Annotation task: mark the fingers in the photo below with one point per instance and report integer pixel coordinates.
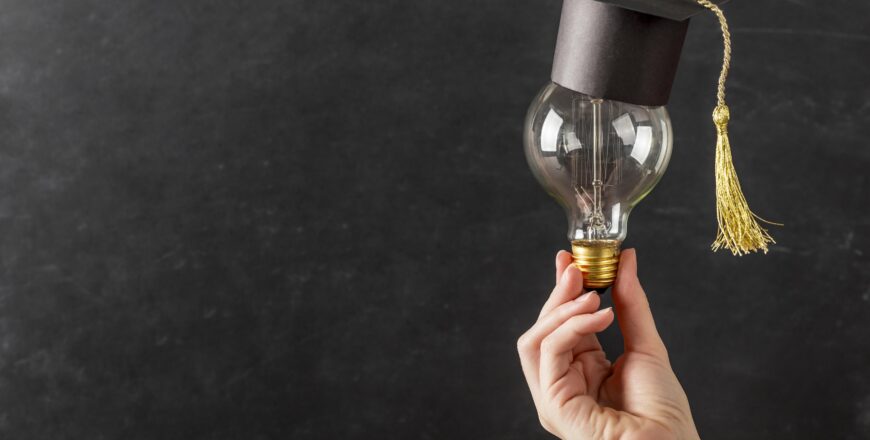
(529, 344)
(563, 304)
(557, 349)
(569, 286)
(531, 340)
(563, 259)
(635, 318)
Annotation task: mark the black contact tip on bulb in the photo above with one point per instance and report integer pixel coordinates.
(601, 290)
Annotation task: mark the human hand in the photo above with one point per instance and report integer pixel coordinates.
(576, 390)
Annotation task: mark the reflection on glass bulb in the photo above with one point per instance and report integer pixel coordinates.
(598, 158)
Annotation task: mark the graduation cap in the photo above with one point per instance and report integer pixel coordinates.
(625, 50)
(628, 51)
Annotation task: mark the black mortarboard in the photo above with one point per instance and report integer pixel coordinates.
(625, 50)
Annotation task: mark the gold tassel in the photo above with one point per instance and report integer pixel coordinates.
(739, 230)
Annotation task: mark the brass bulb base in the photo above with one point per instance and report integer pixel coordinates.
(597, 260)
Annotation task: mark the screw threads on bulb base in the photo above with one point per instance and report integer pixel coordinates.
(597, 260)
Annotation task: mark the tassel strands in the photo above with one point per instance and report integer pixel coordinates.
(739, 230)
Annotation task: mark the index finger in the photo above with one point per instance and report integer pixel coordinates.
(570, 286)
(563, 259)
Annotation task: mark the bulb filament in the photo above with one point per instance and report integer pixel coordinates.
(597, 226)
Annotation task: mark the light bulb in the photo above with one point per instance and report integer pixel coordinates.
(598, 158)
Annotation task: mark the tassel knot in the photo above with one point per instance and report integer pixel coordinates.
(721, 116)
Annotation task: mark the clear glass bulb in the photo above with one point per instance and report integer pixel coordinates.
(598, 158)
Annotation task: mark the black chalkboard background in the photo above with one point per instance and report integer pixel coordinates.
(313, 219)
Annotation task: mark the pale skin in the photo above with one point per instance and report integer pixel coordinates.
(578, 393)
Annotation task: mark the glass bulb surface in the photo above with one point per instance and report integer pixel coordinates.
(598, 158)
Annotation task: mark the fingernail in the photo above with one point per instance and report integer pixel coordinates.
(567, 270)
(604, 311)
(584, 296)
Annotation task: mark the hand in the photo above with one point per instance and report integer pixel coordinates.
(577, 392)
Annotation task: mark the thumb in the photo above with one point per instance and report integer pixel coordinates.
(632, 310)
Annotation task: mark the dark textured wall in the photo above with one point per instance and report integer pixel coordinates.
(313, 219)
